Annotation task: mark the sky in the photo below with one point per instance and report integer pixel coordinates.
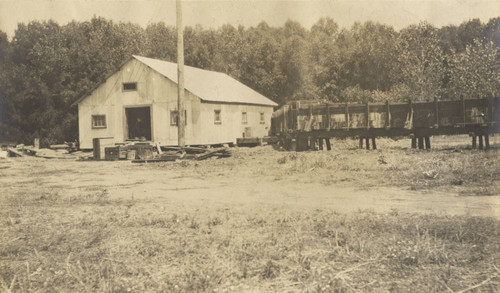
(214, 13)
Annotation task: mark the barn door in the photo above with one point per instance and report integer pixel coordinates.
(138, 122)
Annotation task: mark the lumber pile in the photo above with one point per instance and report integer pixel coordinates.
(57, 151)
(22, 151)
(137, 152)
(218, 153)
(186, 153)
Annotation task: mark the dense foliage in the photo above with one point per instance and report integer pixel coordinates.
(46, 66)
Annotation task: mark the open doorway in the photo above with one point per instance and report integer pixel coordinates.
(138, 123)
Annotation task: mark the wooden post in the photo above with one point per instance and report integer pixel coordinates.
(367, 143)
(320, 143)
(463, 112)
(360, 142)
(96, 144)
(296, 116)
(310, 119)
(490, 109)
(367, 115)
(427, 142)
(328, 144)
(36, 143)
(180, 76)
(285, 116)
(293, 144)
(374, 143)
(487, 141)
(473, 141)
(410, 103)
(312, 143)
(347, 122)
(413, 142)
(327, 116)
(420, 143)
(480, 142)
(388, 111)
(436, 111)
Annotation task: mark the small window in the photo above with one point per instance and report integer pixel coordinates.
(174, 117)
(244, 118)
(262, 118)
(98, 121)
(129, 86)
(217, 119)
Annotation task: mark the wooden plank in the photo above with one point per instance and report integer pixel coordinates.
(15, 152)
(158, 148)
(58, 146)
(308, 125)
(212, 153)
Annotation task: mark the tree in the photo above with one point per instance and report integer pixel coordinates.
(161, 42)
(260, 62)
(420, 62)
(324, 58)
(295, 64)
(475, 73)
(5, 56)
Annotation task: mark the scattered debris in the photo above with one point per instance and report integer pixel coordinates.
(4, 154)
(137, 152)
(430, 174)
(57, 153)
(187, 153)
(69, 146)
(382, 160)
(220, 153)
(15, 152)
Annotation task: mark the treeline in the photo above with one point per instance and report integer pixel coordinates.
(46, 66)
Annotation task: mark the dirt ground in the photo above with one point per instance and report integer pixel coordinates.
(263, 176)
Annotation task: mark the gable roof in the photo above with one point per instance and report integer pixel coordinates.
(208, 85)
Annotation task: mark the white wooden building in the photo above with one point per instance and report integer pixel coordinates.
(139, 101)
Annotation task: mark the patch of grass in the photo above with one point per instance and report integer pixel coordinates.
(140, 247)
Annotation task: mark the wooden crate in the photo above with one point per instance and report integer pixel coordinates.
(112, 153)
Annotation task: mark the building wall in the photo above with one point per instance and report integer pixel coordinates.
(160, 94)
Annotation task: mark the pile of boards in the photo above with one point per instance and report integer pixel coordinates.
(62, 151)
(145, 152)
